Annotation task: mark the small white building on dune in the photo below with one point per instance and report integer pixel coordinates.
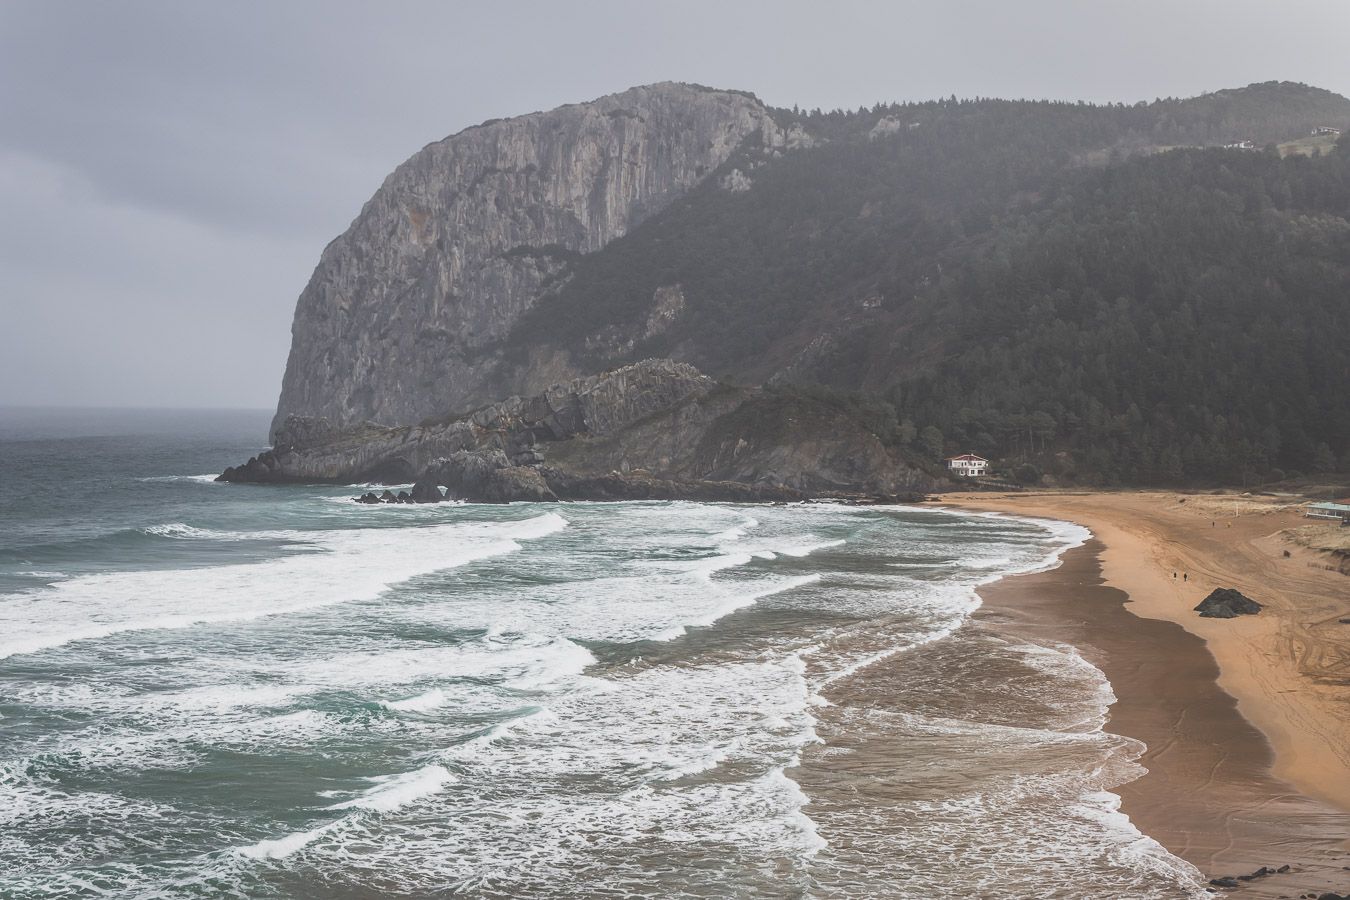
(967, 465)
(1338, 510)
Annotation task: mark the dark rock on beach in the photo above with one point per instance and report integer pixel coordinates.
(1233, 881)
(1227, 603)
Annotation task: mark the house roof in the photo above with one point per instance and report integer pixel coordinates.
(966, 457)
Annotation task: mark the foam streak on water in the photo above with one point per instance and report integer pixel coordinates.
(279, 693)
(348, 565)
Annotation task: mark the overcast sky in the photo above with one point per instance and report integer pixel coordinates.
(170, 171)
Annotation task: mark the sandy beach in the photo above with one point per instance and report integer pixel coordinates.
(1247, 721)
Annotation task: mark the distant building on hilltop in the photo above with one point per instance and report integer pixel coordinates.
(1240, 145)
(967, 465)
(1339, 510)
(1326, 129)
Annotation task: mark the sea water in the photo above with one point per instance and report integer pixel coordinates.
(213, 690)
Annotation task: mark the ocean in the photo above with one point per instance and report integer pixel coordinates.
(213, 690)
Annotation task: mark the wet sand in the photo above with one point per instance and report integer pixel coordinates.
(1245, 720)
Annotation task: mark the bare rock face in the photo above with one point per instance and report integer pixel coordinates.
(657, 429)
(399, 319)
(310, 450)
(423, 491)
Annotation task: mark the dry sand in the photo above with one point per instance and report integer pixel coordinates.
(1247, 720)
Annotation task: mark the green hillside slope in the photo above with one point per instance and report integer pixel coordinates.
(1033, 281)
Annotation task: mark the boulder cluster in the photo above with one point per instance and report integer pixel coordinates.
(424, 491)
(1232, 881)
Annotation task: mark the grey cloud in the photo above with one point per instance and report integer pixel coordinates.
(172, 169)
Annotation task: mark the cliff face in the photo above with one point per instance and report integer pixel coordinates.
(933, 269)
(400, 317)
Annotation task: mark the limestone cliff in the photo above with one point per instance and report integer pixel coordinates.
(399, 319)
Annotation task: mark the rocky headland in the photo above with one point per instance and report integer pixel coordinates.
(656, 429)
(893, 280)
(405, 314)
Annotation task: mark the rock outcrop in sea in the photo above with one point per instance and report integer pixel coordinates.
(656, 429)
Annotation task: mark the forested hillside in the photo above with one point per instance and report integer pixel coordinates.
(1181, 317)
(1091, 292)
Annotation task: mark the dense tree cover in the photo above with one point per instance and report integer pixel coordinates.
(1180, 318)
(1028, 280)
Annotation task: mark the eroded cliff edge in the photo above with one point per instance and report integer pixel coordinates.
(651, 430)
(400, 318)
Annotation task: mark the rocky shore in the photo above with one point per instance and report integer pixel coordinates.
(653, 430)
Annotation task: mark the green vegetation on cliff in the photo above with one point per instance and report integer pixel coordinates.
(1032, 281)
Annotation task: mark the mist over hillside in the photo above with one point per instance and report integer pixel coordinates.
(1093, 293)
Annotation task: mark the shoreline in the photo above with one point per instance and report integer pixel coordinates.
(1248, 752)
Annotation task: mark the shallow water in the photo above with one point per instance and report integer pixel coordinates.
(226, 690)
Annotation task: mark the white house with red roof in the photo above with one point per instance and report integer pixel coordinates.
(967, 465)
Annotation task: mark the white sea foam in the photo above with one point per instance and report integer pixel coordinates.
(953, 602)
(394, 791)
(737, 600)
(1086, 683)
(796, 802)
(424, 702)
(807, 549)
(355, 564)
(994, 562)
(282, 847)
(872, 659)
(738, 531)
(653, 731)
(181, 530)
(612, 772)
(209, 699)
(526, 661)
(1136, 851)
(389, 793)
(484, 740)
(208, 478)
(639, 598)
(1064, 535)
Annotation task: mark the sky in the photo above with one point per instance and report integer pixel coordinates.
(170, 171)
